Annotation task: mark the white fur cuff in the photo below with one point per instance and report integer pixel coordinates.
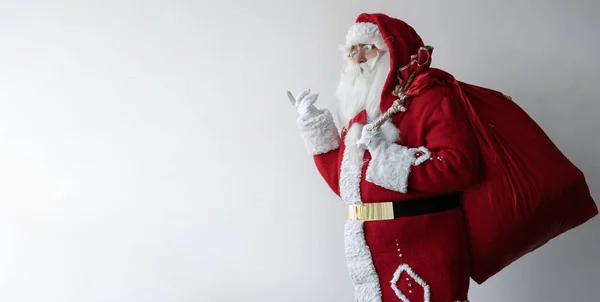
(390, 166)
(319, 132)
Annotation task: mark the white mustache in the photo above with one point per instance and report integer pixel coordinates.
(361, 70)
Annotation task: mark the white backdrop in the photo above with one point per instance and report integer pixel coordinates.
(148, 151)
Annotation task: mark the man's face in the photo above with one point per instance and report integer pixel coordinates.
(361, 83)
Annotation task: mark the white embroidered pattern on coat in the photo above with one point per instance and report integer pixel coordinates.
(406, 268)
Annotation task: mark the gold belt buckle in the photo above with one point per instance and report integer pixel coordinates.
(371, 211)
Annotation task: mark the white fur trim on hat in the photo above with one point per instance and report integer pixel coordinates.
(363, 33)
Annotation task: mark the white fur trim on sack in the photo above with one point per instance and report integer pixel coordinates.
(319, 132)
(360, 263)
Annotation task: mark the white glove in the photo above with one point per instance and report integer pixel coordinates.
(372, 140)
(304, 103)
(369, 138)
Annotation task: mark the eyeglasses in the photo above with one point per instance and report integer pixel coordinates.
(367, 48)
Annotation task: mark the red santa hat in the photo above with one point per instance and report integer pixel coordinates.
(407, 52)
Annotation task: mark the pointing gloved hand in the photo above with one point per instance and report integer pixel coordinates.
(304, 103)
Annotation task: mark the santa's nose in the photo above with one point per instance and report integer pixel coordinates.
(359, 58)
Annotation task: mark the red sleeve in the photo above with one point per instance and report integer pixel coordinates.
(327, 165)
(454, 162)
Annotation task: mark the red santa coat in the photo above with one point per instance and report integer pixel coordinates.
(419, 258)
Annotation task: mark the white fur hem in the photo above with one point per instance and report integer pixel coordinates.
(360, 264)
(351, 167)
(390, 166)
(358, 255)
(319, 132)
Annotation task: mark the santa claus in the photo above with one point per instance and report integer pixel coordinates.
(403, 154)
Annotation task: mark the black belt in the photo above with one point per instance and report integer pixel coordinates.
(417, 207)
(397, 209)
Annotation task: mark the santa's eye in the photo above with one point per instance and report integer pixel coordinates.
(367, 47)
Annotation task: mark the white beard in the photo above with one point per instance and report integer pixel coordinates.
(357, 91)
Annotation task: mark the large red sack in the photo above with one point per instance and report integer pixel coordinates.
(529, 192)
